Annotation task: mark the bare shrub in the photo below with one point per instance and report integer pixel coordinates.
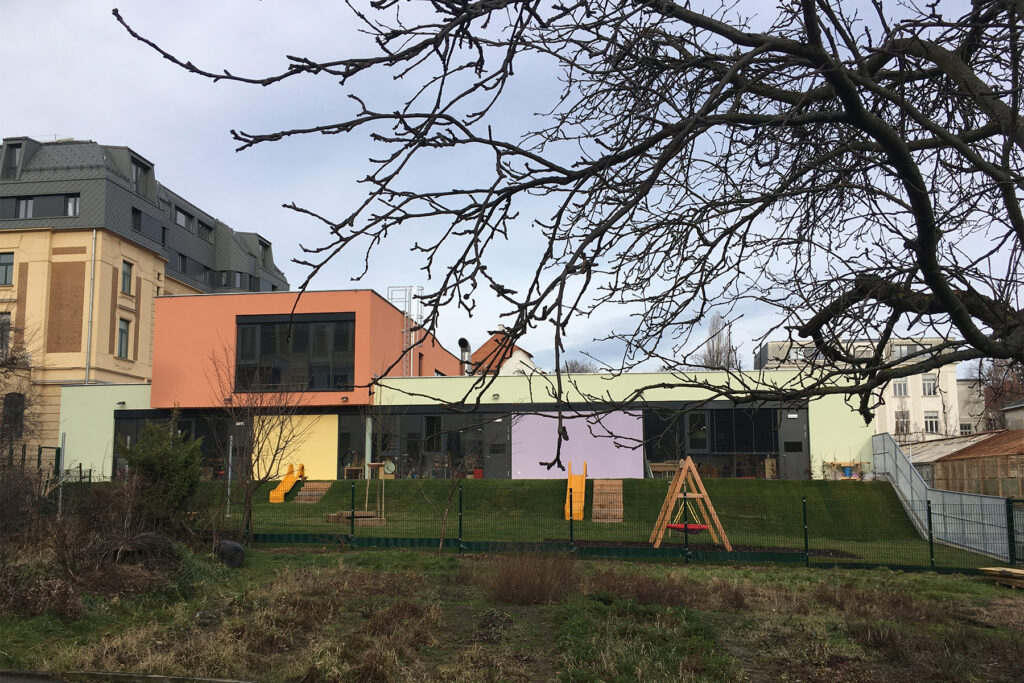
(645, 590)
(879, 604)
(532, 579)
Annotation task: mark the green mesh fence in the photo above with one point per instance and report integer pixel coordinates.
(851, 524)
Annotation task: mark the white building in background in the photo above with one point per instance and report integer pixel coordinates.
(915, 408)
(497, 356)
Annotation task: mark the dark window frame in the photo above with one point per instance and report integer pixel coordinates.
(302, 352)
(6, 269)
(126, 277)
(124, 327)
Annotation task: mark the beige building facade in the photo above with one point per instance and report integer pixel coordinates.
(915, 408)
(81, 302)
(88, 240)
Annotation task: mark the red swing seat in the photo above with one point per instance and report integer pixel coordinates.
(688, 528)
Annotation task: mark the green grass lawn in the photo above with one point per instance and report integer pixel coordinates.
(848, 522)
(387, 615)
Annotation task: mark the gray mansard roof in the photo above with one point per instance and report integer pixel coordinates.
(101, 176)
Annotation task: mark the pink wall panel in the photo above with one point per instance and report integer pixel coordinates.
(610, 444)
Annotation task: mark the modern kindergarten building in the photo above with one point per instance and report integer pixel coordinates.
(421, 419)
(88, 240)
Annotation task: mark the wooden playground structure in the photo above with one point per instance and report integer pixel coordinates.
(695, 515)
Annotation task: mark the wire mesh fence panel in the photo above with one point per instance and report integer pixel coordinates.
(514, 511)
(857, 524)
(1016, 517)
(848, 532)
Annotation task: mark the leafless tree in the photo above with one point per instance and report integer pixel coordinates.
(262, 428)
(857, 175)
(718, 352)
(19, 415)
(999, 383)
(581, 365)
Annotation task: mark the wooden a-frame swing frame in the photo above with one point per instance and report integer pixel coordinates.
(686, 486)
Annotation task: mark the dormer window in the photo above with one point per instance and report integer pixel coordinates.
(264, 254)
(11, 161)
(206, 232)
(140, 173)
(184, 220)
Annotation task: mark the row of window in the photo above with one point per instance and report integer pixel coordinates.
(929, 385)
(931, 422)
(185, 220)
(39, 206)
(305, 352)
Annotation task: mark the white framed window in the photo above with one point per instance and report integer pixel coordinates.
(902, 425)
(966, 428)
(899, 387)
(904, 350)
(930, 384)
(931, 421)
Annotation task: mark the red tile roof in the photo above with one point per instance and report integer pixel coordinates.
(491, 355)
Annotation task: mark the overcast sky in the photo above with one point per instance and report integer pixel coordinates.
(71, 71)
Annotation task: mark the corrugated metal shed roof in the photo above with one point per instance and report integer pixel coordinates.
(930, 451)
(1009, 442)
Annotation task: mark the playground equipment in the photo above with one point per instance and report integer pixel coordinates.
(687, 487)
(576, 492)
(366, 516)
(277, 495)
(607, 505)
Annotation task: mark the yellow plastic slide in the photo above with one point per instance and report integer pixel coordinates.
(277, 495)
(578, 488)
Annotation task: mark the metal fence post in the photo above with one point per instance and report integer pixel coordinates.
(1011, 532)
(39, 458)
(931, 537)
(57, 464)
(686, 532)
(352, 518)
(460, 518)
(571, 541)
(807, 544)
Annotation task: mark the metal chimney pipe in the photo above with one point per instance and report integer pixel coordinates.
(464, 355)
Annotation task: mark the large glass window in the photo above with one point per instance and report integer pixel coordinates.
(313, 352)
(899, 387)
(931, 421)
(902, 425)
(930, 384)
(696, 432)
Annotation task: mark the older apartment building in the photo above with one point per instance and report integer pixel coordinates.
(915, 408)
(88, 240)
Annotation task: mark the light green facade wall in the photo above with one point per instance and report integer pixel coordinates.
(837, 433)
(87, 422)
